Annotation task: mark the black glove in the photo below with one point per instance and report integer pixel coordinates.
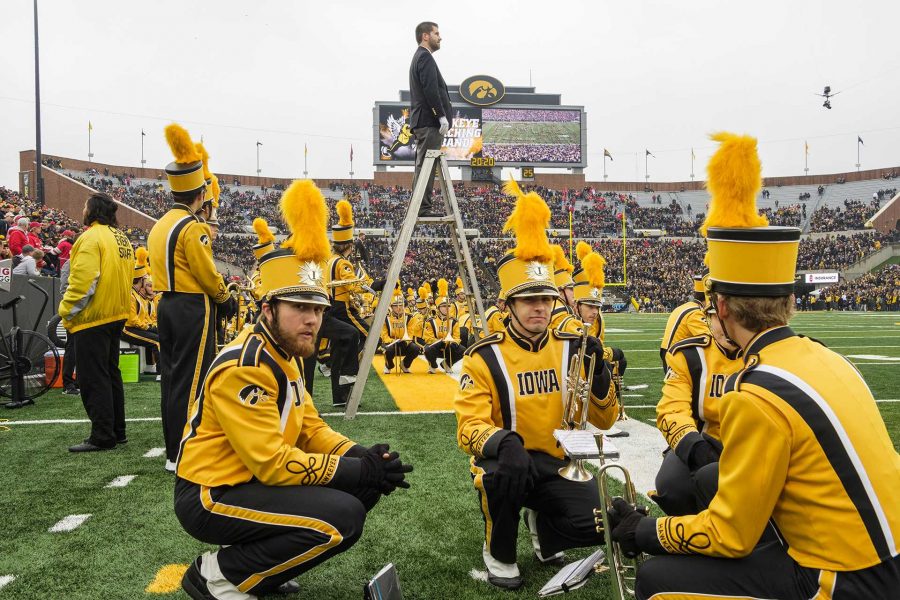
(624, 520)
(516, 473)
(702, 453)
(356, 451)
(602, 375)
(383, 474)
(619, 358)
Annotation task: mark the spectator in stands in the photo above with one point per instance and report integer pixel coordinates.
(18, 236)
(27, 265)
(7, 222)
(4, 249)
(94, 309)
(64, 247)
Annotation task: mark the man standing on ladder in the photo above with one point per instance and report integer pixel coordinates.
(430, 113)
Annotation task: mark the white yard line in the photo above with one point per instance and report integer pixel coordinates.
(120, 481)
(5, 580)
(154, 452)
(69, 523)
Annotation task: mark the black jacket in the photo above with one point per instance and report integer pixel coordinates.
(428, 92)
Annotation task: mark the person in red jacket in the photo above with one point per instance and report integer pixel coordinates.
(18, 236)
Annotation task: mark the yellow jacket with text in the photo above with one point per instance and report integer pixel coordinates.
(181, 257)
(692, 390)
(254, 419)
(804, 445)
(99, 280)
(528, 400)
(394, 328)
(416, 326)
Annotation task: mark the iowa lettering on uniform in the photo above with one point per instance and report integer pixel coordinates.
(717, 386)
(538, 382)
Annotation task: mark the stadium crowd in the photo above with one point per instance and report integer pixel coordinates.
(878, 291)
(853, 215)
(507, 115)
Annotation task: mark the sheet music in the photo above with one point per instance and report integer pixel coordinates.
(577, 443)
(572, 576)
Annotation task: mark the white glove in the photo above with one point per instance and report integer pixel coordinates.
(445, 126)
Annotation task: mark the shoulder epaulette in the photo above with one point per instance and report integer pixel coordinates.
(494, 338)
(565, 335)
(251, 351)
(699, 340)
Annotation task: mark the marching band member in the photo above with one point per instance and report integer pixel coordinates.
(470, 330)
(509, 402)
(804, 442)
(396, 337)
(139, 329)
(441, 333)
(496, 315)
(562, 277)
(181, 259)
(686, 321)
(343, 325)
(260, 474)
(416, 323)
(459, 307)
(688, 417)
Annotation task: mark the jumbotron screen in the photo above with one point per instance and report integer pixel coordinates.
(512, 136)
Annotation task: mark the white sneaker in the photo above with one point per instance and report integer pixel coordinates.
(347, 379)
(405, 369)
(170, 466)
(531, 524)
(219, 587)
(502, 575)
(430, 370)
(386, 371)
(325, 371)
(159, 377)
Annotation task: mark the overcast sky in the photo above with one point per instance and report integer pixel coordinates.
(659, 75)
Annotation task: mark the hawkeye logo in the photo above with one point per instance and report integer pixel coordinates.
(252, 395)
(482, 90)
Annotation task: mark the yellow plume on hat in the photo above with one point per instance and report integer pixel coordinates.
(427, 287)
(529, 221)
(304, 211)
(216, 190)
(261, 227)
(593, 265)
(345, 213)
(734, 178)
(559, 259)
(476, 146)
(409, 291)
(459, 284)
(141, 256)
(582, 249)
(180, 143)
(204, 158)
(423, 292)
(442, 286)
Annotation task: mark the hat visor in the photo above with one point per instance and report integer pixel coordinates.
(591, 302)
(534, 292)
(303, 298)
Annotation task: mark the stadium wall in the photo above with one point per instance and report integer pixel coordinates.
(404, 178)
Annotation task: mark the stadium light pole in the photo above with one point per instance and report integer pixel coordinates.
(39, 176)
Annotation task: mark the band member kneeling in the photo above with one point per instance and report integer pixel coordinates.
(510, 400)
(396, 337)
(259, 473)
(441, 334)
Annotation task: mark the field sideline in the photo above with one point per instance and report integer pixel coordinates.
(432, 532)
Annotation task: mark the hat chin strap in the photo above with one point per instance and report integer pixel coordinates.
(728, 338)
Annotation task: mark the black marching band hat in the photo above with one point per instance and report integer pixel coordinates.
(589, 278)
(745, 255)
(527, 270)
(185, 173)
(295, 272)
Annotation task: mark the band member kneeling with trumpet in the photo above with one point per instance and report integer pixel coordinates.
(510, 401)
(396, 337)
(259, 473)
(441, 334)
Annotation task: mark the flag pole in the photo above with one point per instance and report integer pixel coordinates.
(858, 143)
(692, 164)
(38, 160)
(90, 154)
(305, 151)
(143, 162)
(806, 158)
(604, 166)
(571, 233)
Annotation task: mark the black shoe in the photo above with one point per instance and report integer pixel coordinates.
(506, 583)
(19, 404)
(88, 447)
(72, 391)
(122, 441)
(195, 584)
(288, 587)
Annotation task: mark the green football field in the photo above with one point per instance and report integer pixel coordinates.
(519, 132)
(432, 532)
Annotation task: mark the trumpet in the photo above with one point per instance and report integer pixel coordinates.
(618, 380)
(575, 408)
(622, 570)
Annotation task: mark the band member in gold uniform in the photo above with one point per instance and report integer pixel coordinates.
(510, 400)
(686, 321)
(260, 474)
(396, 337)
(182, 262)
(804, 443)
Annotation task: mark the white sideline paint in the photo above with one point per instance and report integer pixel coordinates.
(121, 481)
(5, 580)
(873, 357)
(69, 523)
(154, 452)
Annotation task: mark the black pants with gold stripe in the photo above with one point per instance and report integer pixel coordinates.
(272, 533)
(768, 572)
(565, 509)
(187, 346)
(451, 352)
(146, 338)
